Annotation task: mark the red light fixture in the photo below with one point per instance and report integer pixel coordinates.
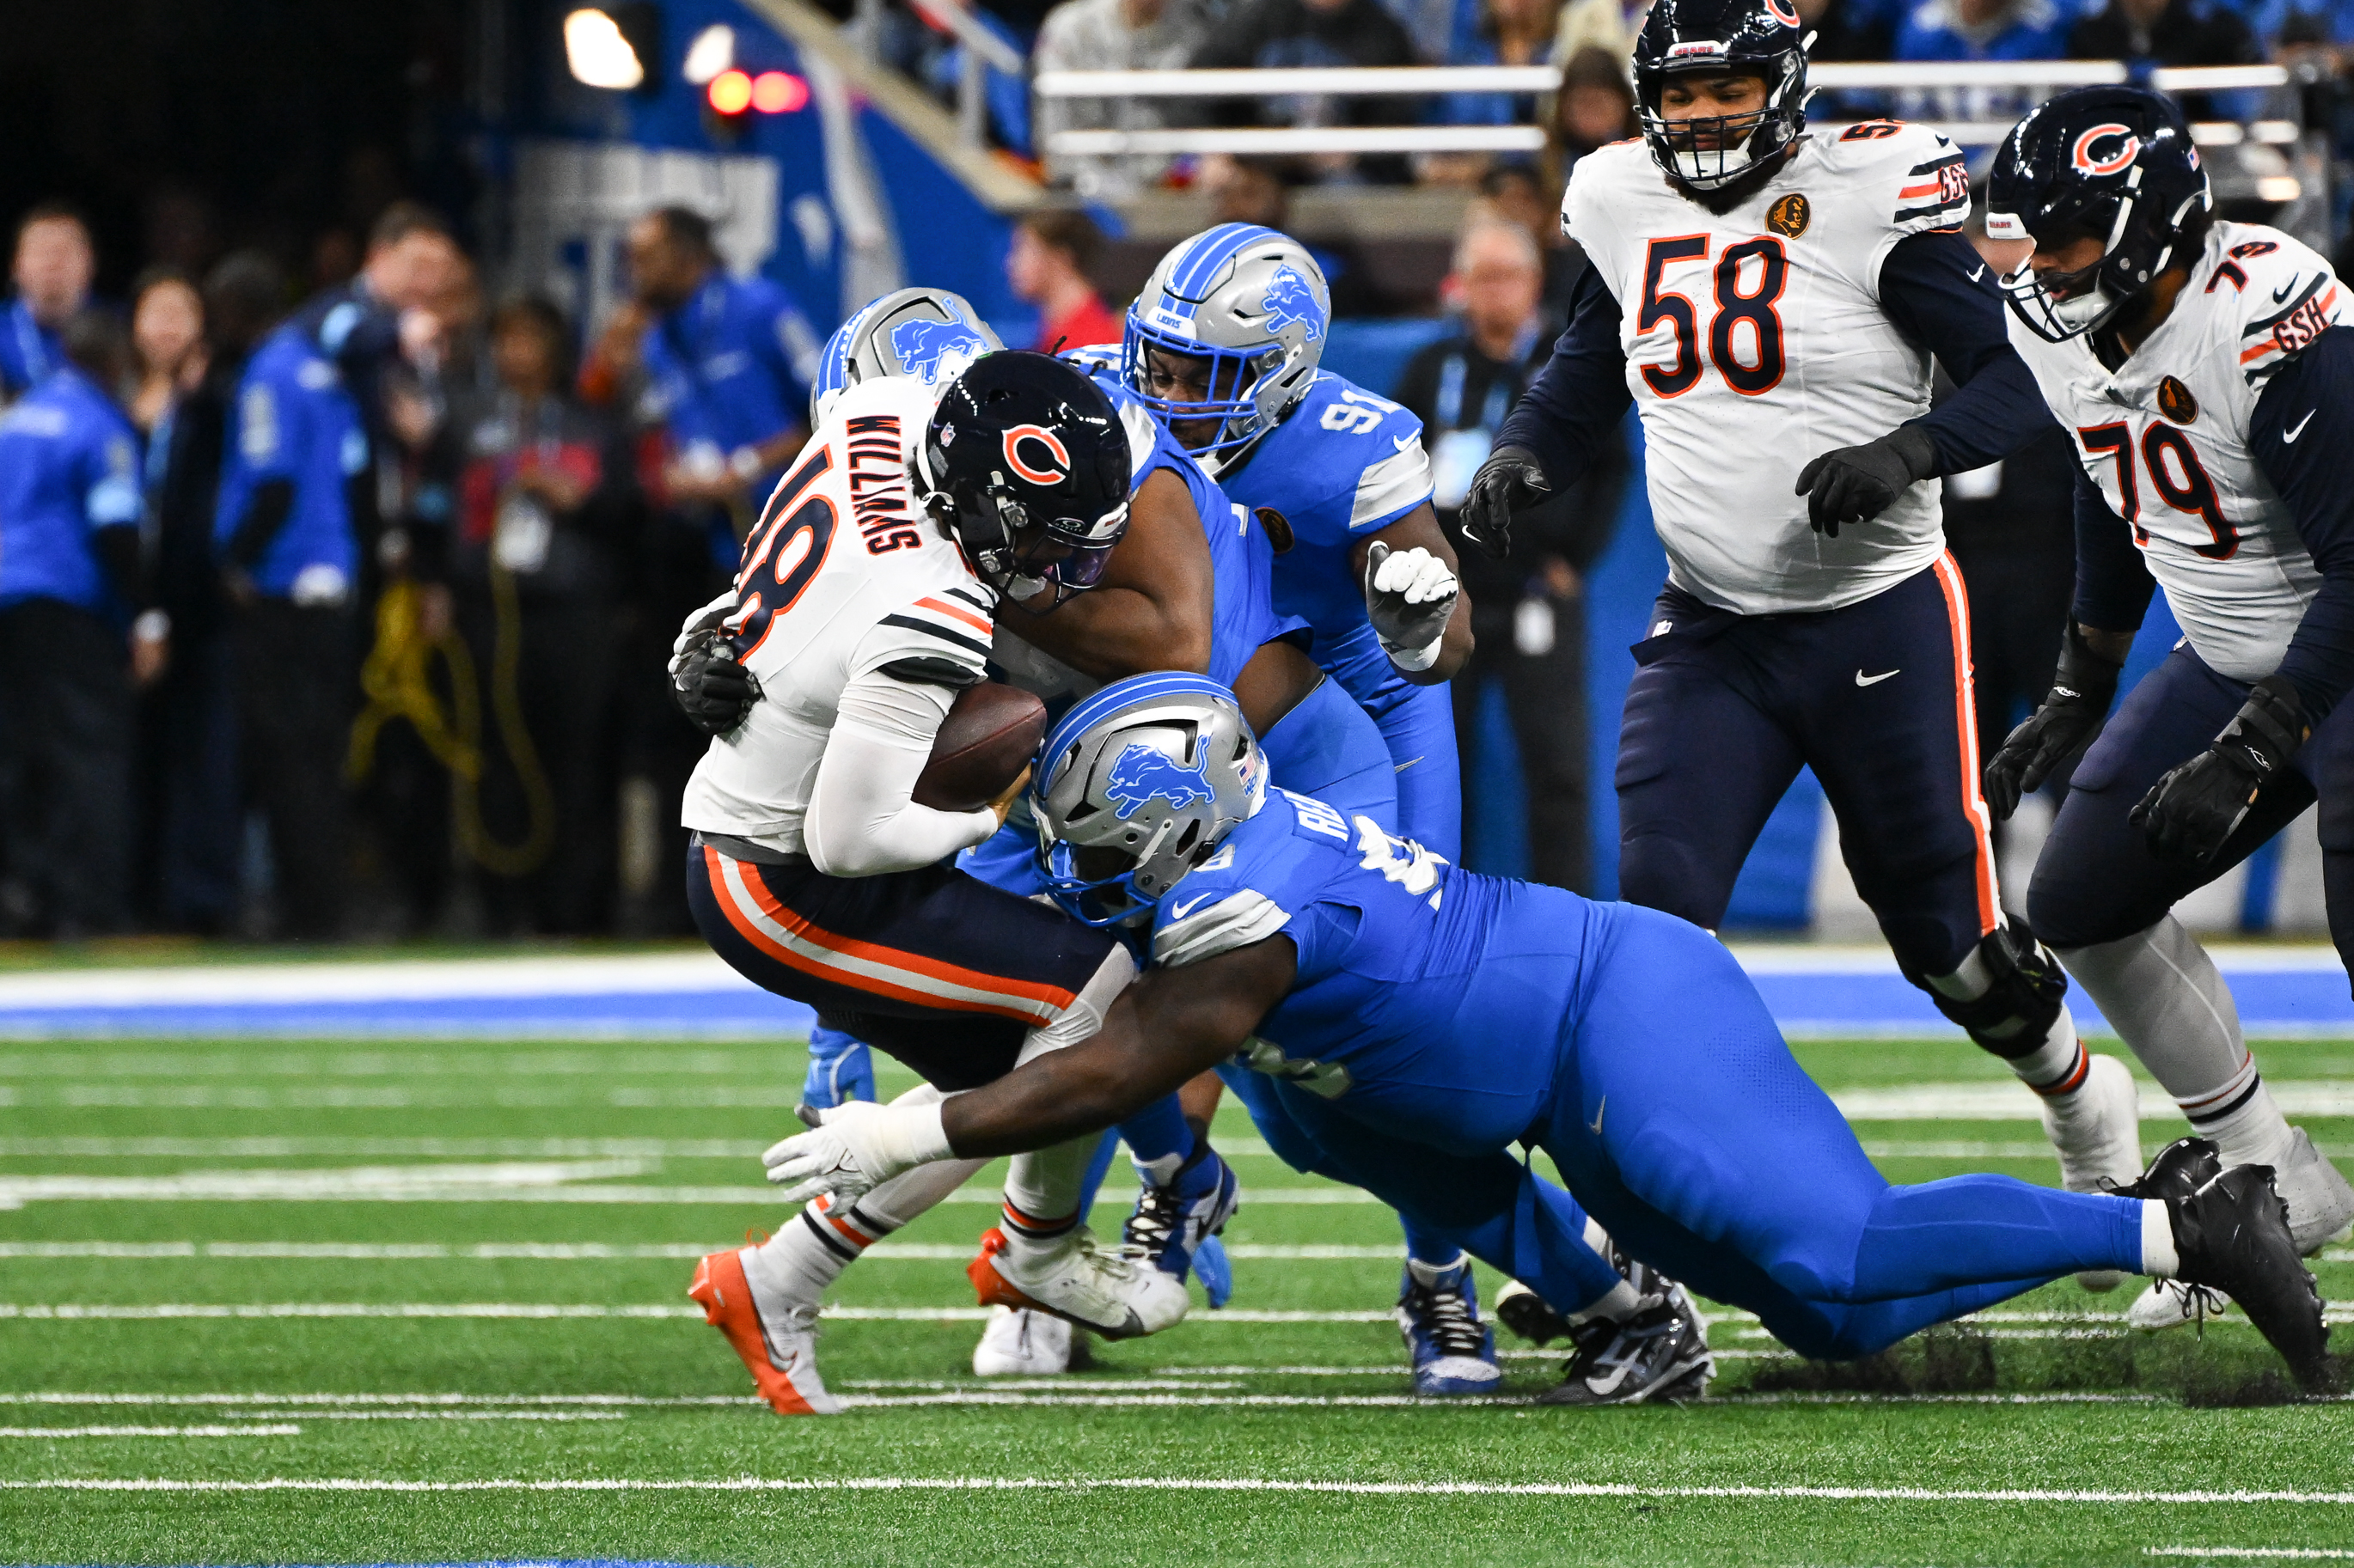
(775, 93)
(730, 92)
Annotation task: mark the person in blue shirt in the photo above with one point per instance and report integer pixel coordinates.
(289, 553)
(52, 267)
(1979, 30)
(1426, 1018)
(70, 506)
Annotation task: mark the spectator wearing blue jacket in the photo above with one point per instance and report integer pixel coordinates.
(289, 560)
(51, 269)
(2173, 33)
(70, 506)
(1979, 30)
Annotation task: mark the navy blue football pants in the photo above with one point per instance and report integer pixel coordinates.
(1723, 711)
(1681, 1121)
(2096, 881)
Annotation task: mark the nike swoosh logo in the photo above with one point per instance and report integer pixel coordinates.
(1863, 680)
(1404, 442)
(2281, 294)
(2298, 428)
(1979, 273)
(1179, 911)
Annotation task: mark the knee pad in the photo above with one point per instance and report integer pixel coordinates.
(2013, 1016)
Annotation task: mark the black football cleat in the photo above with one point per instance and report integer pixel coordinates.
(2180, 1169)
(2232, 1235)
(1659, 1355)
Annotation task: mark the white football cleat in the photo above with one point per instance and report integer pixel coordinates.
(780, 1352)
(2320, 1203)
(2097, 1132)
(1020, 1342)
(2169, 1304)
(1068, 1276)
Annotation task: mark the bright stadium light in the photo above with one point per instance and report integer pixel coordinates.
(730, 92)
(712, 51)
(775, 93)
(598, 53)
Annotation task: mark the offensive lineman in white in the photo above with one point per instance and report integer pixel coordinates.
(866, 602)
(1760, 293)
(2206, 370)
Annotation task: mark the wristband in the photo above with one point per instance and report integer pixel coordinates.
(1414, 661)
(909, 1136)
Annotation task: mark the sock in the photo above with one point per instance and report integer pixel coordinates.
(1620, 1302)
(1097, 1169)
(1423, 1246)
(2242, 1117)
(1428, 1275)
(795, 1267)
(1042, 1190)
(1596, 1236)
(1159, 1140)
(2164, 996)
(2052, 1065)
(2158, 1259)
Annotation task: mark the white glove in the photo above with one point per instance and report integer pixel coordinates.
(710, 617)
(1409, 596)
(855, 1148)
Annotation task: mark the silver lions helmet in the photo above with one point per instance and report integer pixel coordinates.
(1254, 304)
(926, 335)
(1137, 786)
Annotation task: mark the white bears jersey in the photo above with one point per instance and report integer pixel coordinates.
(1756, 341)
(2165, 439)
(844, 575)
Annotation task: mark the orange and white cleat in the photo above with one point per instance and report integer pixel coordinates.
(782, 1358)
(1068, 1277)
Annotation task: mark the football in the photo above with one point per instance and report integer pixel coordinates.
(989, 736)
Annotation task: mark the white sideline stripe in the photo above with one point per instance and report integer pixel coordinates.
(1185, 1484)
(2238, 1552)
(2016, 1102)
(542, 1183)
(173, 1311)
(618, 974)
(406, 1251)
(272, 1429)
(305, 1403)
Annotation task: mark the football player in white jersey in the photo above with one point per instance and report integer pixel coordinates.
(1762, 294)
(866, 602)
(2206, 370)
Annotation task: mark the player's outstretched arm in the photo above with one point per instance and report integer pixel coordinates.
(1428, 615)
(1162, 1031)
(1166, 1029)
(1152, 608)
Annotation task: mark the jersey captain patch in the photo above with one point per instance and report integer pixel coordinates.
(2175, 401)
(1789, 216)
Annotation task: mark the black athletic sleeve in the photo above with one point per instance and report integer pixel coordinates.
(1576, 403)
(119, 552)
(2113, 583)
(2302, 438)
(1941, 295)
(265, 514)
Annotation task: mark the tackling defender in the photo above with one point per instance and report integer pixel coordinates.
(1759, 293)
(2206, 370)
(1424, 1018)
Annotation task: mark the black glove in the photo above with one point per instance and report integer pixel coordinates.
(1856, 484)
(1510, 480)
(2082, 690)
(709, 686)
(2189, 813)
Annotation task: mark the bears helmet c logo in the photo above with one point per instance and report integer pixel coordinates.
(2085, 158)
(1057, 453)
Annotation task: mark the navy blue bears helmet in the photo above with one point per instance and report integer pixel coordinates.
(1757, 38)
(2111, 163)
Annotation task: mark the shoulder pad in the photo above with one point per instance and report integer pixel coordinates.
(1926, 176)
(2283, 296)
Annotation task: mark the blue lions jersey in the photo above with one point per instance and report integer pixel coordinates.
(296, 420)
(1342, 465)
(1430, 1002)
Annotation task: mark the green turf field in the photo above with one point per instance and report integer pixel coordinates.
(325, 1302)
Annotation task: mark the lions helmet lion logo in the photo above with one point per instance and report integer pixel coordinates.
(1291, 299)
(2089, 157)
(933, 352)
(1140, 775)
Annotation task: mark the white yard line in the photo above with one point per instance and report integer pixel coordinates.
(2291, 1553)
(270, 1429)
(755, 1484)
(583, 1252)
(544, 1182)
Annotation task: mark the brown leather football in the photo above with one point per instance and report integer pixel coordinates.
(990, 734)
